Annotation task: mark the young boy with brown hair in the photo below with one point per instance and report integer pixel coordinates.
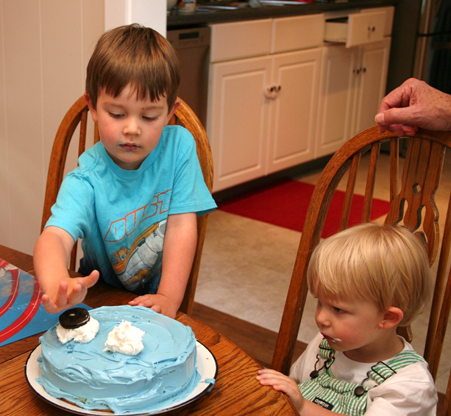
(134, 197)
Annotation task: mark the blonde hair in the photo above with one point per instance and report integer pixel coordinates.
(134, 55)
(386, 264)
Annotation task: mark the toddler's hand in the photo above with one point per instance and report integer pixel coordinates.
(283, 383)
(158, 303)
(70, 292)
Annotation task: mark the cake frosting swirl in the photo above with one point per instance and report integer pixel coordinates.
(126, 339)
(163, 373)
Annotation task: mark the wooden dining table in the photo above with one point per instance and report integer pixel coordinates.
(235, 392)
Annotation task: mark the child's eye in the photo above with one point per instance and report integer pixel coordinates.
(149, 118)
(338, 310)
(115, 115)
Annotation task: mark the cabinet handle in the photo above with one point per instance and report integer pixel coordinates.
(272, 92)
(359, 70)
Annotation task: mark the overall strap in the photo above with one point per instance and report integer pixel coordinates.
(384, 370)
(325, 351)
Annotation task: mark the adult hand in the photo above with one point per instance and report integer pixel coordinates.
(414, 105)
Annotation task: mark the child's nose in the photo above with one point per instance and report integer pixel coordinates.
(131, 127)
(322, 317)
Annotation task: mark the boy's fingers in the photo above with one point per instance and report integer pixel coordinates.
(48, 304)
(92, 279)
(156, 308)
(61, 296)
(142, 301)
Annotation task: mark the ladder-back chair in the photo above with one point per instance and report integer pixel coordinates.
(411, 192)
(78, 116)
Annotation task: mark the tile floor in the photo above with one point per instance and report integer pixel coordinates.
(246, 268)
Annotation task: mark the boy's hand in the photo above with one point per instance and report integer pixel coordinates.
(283, 383)
(70, 292)
(158, 303)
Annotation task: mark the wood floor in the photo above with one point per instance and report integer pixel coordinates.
(258, 342)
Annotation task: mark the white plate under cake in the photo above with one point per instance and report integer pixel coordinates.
(162, 376)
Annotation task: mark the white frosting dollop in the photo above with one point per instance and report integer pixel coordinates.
(126, 339)
(84, 333)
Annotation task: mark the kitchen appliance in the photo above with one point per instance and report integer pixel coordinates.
(433, 50)
(193, 48)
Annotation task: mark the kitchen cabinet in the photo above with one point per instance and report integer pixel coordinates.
(353, 80)
(262, 109)
(294, 109)
(370, 80)
(352, 86)
(237, 120)
(285, 91)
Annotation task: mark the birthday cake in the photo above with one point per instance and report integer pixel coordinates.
(93, 377)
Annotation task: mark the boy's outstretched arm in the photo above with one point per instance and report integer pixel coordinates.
(178, 254)
(287, 385)
(51, 256)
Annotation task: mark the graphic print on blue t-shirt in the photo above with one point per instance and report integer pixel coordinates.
(127, 225)
(140, 264)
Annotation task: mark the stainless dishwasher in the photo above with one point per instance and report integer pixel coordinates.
(193, 48)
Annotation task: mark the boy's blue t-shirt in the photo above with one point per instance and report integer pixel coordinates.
(120, 215)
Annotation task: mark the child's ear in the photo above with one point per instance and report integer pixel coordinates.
(173, 110)
(92, 109)
(392, 317)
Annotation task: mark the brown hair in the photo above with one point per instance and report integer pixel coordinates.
(381, 263)
(134, 55)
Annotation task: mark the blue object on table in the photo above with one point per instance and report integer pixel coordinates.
(21, 310)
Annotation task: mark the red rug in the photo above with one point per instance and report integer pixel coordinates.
(285, 204)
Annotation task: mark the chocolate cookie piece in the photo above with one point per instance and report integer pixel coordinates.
(74, 318)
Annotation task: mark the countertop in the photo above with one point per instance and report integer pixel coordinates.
(181, 20)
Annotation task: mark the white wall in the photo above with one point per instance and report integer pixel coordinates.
(44, 49)
(150, 13)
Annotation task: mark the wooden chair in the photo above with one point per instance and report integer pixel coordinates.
(77, 116)
(411, 194)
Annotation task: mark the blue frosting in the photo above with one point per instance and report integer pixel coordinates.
(160, 375)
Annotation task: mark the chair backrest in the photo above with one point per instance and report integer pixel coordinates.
(411, 192)
(77, 116)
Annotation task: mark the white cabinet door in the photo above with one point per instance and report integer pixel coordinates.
(371, 84)
(294, 108)
(253, 134)
(353, 84)
(336, 98)
(238, 119)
